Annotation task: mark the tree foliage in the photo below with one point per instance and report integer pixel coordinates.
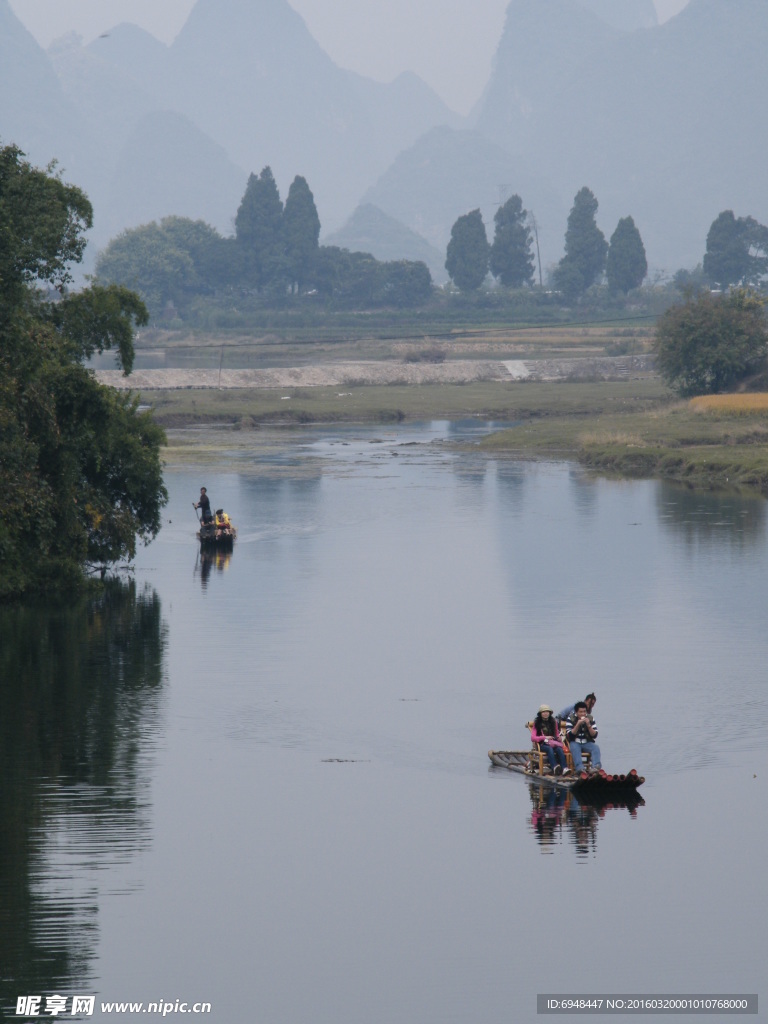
(168, 263)
(585, 248)
(358, 280)
(300, 231)
(711, 342)
(737, 251)
(626, 264)
(80, 474)
(42, 221)
(468, 252)
(258, 230)
(147, 260)
(511, 255)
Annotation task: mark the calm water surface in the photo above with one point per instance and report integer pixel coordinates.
(263, 782)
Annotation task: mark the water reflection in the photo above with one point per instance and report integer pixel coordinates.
(209, 559)
(557, 815)
(81, 689)
(711, 519)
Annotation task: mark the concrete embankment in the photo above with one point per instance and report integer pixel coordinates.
(460, 371)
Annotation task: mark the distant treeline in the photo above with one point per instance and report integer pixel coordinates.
(275, 259)
(274, 254)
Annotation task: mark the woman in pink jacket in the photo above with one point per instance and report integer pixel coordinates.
(545, 733)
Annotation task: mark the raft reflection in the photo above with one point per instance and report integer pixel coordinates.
(209, 559)
(557, 813)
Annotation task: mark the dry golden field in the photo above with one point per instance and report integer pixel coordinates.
(746, 403)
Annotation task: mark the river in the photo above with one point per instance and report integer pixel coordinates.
(261, 782)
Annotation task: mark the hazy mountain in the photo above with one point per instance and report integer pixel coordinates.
(251, 75)
(669, 128)
(625, 15)
(545, 44)
(371, 230)
(34, 112)
(107, 101)
(138, 162)
(168, 166)
(663, 124)
(141, 125)
(448, 173)
(138, 56)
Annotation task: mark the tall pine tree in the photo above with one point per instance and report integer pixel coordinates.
(626, 265)
(258, 231)
(511, 257)
(466, 259)
(585, 248)
(301, 232)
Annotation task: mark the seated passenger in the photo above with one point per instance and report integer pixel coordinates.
(581, 733)
(545, 733)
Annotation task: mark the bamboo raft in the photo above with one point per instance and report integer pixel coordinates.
(217, 533)
(597, 783)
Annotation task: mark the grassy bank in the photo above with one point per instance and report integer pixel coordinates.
(702, 444)
(634, 428)
(490, 400)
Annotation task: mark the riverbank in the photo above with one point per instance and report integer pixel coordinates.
(697, 444)
(610, 413)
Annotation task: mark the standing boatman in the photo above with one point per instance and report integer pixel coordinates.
(204, 505)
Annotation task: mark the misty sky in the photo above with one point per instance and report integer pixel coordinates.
(447, 42)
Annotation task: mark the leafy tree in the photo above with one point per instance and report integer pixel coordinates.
(80, 473)
(99, 318)
(329, 269)
(626, 265)
(756, 237)
(511, 256)
(42, 221)
(359, 280)
(468, 252)
(211, 254)
(301, 231)
(172, 261)
(147, 259)
(585, 248)
(259, 232)
(689, 281)
(726, 260)
(737, 250)
(406, 283)
(711, 342)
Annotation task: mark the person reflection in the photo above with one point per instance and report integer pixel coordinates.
(209, 559)
(547, 813)
(582, 822)
(206, 564)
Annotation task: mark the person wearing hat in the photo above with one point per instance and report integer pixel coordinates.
(545, 733)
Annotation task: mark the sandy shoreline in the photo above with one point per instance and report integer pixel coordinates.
(460, 371)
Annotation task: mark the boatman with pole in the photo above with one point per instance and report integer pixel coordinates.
(204, 505)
